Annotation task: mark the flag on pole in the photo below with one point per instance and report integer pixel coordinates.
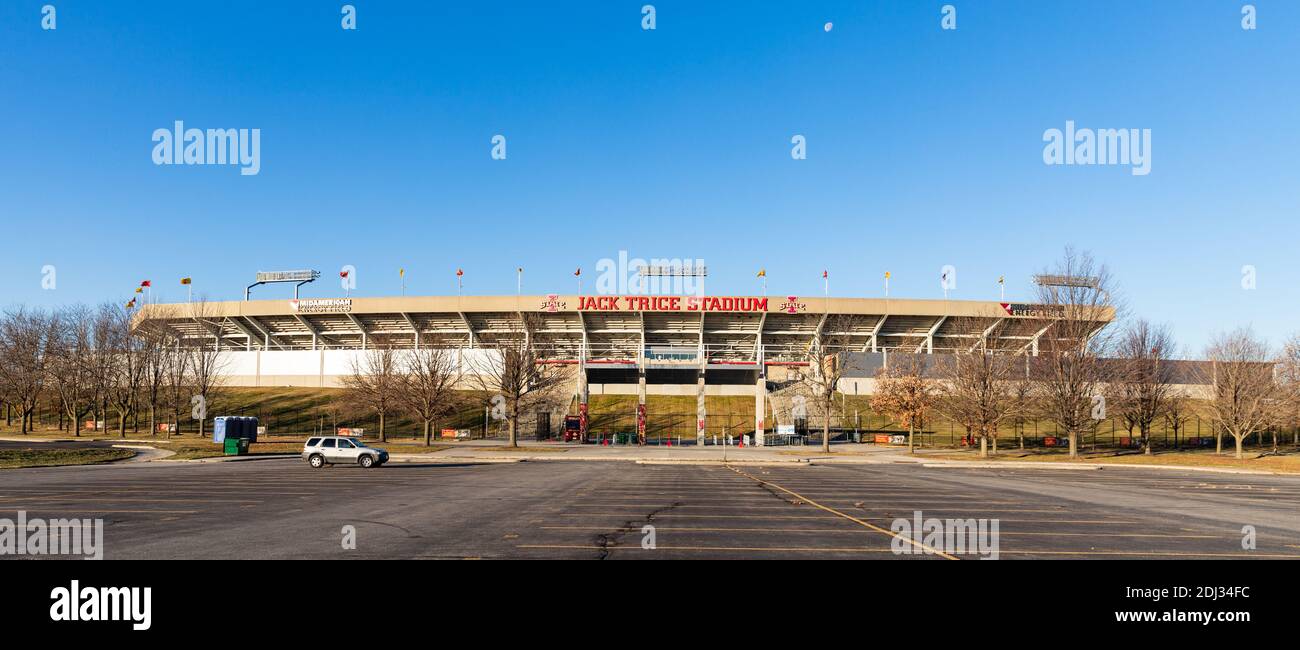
(1001, 279)
(401, 273)
(825, 275)
(146, 283)
(139, 289)
(131, 305)
(343, 274)
(185, 280)
(578, 272)
(762, 273)
(886, 275)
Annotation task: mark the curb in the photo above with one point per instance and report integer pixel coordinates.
(723, 463)
(234, 459)
(450, 460)
(1099, 466)
(144, 453)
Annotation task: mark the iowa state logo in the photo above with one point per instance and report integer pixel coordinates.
(552, 303)
(792, 305)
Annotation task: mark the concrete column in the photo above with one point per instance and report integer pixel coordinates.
(640, 406)
(760, 407)
(700, 413)
(584, 396)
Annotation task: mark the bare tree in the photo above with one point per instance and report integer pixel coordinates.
(206, 363)
(374, 382)
(127, 368)
(1022, 392)
(903, 393)
(1142, 384)
(827, 355)
(73, 351)
(1178, 412)
(176, 383)
(1245, 393)
(978, 388)
(1288, 377)
(1076, 296)
(159, 352)
(426, 385)
(28, 339)
(517, 376)
(101, 362)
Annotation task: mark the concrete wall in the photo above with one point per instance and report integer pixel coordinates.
(312, 368)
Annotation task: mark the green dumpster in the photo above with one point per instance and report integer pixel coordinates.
(236, 446)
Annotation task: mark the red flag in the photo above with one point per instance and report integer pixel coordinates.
(343, 274)
(459, 273)
(824, 274)
(578, 272)
(146, 283)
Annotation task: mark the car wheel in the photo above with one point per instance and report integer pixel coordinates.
(366, 460)
(316, 460)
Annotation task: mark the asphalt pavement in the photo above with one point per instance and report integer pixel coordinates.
(620, 510)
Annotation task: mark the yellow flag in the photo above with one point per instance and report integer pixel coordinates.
(886, 275)
(139, 289)
(762, 273)
(185, 280)
(401, 272)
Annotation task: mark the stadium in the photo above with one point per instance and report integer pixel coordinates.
(702, 346)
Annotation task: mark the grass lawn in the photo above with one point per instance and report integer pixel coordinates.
(13, 458)
(1287, 462)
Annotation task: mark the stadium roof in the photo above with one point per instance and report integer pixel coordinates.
(726, 328)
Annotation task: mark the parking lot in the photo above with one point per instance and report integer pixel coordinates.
(581, 509)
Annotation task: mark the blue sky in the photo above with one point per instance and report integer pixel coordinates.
(924, 147)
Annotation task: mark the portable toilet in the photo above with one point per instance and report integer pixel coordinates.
(219, 429)
(251, 423)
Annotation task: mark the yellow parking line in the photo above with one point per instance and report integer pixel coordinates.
(719, 530)
(860, 522)
(1155, 554)
(1157, 535)
(126, 499)
(150, 512)
(783, 549)
(841, 530)
(667, 515)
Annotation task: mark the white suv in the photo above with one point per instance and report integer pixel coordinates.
(328, 450)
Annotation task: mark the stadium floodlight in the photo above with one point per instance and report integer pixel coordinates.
(298, 277)
(1081, 281)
